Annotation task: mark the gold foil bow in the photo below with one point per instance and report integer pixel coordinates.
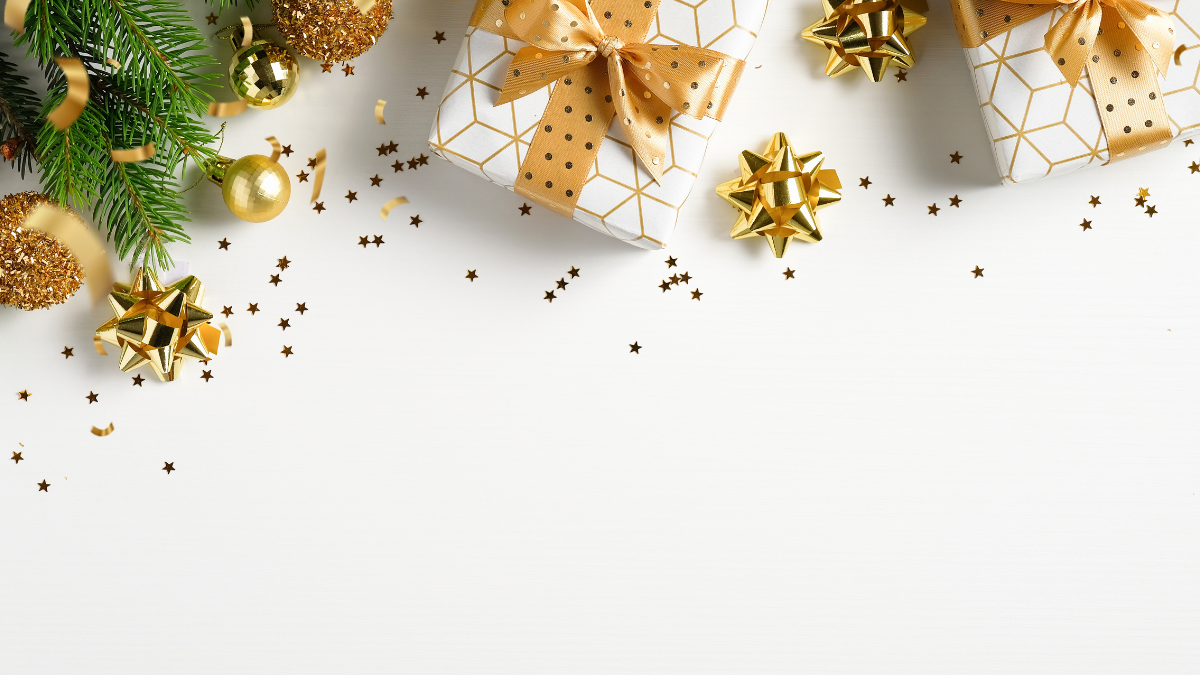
(869, 34)
(1122, 45)
(780, 193)
(596, 52)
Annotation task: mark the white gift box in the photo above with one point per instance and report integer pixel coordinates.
(1040, 125)
(619, 198)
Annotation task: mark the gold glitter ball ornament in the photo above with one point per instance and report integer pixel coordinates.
(255, 188)
(36, 271)
(330, 30)
(264, 75)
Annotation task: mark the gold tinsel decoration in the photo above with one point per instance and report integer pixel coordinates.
(36, 271)
(330, 30)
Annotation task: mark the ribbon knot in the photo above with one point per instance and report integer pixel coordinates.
(609, 45)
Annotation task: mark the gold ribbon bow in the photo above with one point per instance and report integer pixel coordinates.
(595, 51)
(867, 34)
(1121, 44)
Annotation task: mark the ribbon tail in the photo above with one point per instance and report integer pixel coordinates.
(1072, 39)
(645, 118)
(1153, 30)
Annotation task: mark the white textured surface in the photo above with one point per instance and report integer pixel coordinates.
(884, 466)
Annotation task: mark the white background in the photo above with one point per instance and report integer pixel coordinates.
(885, 465)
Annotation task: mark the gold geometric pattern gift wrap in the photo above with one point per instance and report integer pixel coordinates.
(1039, 124)
(619, 196)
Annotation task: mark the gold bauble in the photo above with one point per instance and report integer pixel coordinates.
(264, 75)
(36, 271)
(330, 30)
(255, 187)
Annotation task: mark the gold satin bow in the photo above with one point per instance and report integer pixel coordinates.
(646, 81)
(1072, 40)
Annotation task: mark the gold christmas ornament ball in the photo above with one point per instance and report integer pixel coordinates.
(264, 75)
(330, 30)
(36, 271)
(255, 188)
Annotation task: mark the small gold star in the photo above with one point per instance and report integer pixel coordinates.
(562, 284)
(889, 201)
(138, 380)
(955, 201)
(378, 240)
(1195, 167)
(364, 241)
(574, 272)
(16, 458)
(227, 311)
(207, 375)
(376, 180)
(671, 262)
(789, 274)
(348, 70)
(864, 183)
(392, 147)
(665, 286)
(439, 37)
(382, 149)
(275, 280)
(674, 279)
(169, 466)
(43, 486)
(902, 76)
(283, 263)
(302, 176)
(212, 19)
(696, 294)
(24, 395)
(327, 67)
(285, 324)
(253, 308)
(397, 166)
(319, 207)
(472, 276)
(351, 196)
(1086, 224)
(301, 307)
(1188, 142)
(956, 158)
(549, 297)
(224, 244)
(1143, 192)
(413, 163)
(635, 348)
(287, 151)
(92, 397)
(1150, 210)
(933, 210)
(287, 351)
(312, 162)
(68, 352)
(423, 160)
(1094, 201)
(685, 277)
(1140, 201)
(422, 92)
(415, 221)
(978, 271)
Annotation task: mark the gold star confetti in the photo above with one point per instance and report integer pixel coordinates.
(413, 163)
(1094, 201)
(253, 308)
(864, 183)
(902, 76)
(378, 240)
(1086, 224)
(283, 263)
(1195, 167)
(227, 311)
(301, 307)
(392, 147)
(439, 37)
(207, 375)
(1150, 210)
(169, 466)
(956, 158)
(224, 244)
(326, 67)
(376, 180)
(287, 351)
(889, 201)
(397, 166)
(212, 19)
(24, 395)
(574, 272)
(665, 286)
(275, 280)
(685, 277)
(43, 486)
(674, 279)
(351, 196)
(1188, 142)
(789, 273)
(562, 284)
(1143, 192)
(472, 276)
(696, 294)
(635, 348)
(933, 210)
(382, 149)
(978, 271)
(415, 221)
(955, 201)
(549, 297)
(138, 380)
(285, 324)
(422, 92)
(422, 160)
(348, 70)
(671, 262)
(364, 241)
(1140, 201)
(68, 352)
(319, 207)
(287, 151)
(92, 397)
(302, 176)
(16, 458)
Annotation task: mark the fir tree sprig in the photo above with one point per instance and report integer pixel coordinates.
(19, 123)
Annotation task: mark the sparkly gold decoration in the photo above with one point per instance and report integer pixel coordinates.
(779, 195)
(868, 34)
(254, 188)
(97, 431)
(36, 270)
(262, 73)
(160, 326)
(330, 30)
(78, 87)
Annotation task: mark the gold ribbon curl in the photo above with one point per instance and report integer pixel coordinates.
(594, 51)
(1123, 45)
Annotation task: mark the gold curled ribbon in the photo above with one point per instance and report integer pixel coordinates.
(601, 71)
(364, 6)
(318, 175)
(138, 154)
(1121, 44)
(276, 148)
(99, 344)
(228, 334)
(247, 31)
(379, 111)
(14, 14)
(97, 431)
(229, 109)
(78, 88)
(391, 204)
(84, 244)
(114, 63)
(1179, 53)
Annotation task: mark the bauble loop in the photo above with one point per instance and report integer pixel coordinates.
(330, 30)
(36, 270)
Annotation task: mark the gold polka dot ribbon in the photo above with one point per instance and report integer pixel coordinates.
(1123, 45)
(594, 51)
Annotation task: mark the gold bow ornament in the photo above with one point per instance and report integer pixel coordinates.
(1122, 45)
(160, 326)
(597, 55)
(779, 194)
(867, 34)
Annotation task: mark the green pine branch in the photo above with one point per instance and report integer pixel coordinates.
(158, 95)
(19, 123)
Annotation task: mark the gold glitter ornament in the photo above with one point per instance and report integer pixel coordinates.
(36, 271)
(262, 74)
(255, 187)
(330, 30)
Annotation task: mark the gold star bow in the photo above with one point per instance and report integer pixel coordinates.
(159, 326)
(869, 34)
(779, 195)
